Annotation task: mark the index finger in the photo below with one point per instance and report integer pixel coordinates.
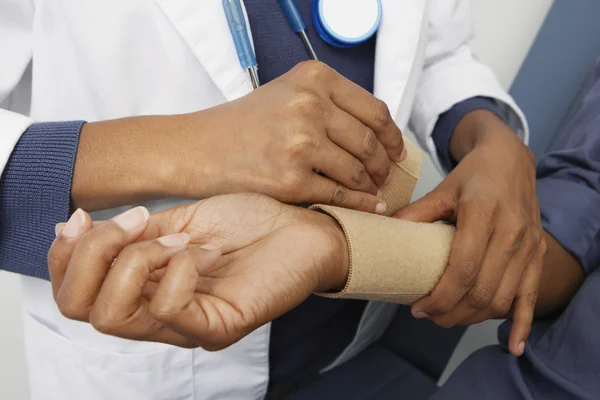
(371, 111)
(524, 305)
(92, 259)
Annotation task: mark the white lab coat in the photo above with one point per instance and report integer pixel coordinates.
(96, 60)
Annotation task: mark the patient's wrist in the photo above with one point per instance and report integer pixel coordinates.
(333, 274)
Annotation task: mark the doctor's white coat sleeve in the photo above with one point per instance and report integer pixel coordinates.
(16, 20)
(451, 74)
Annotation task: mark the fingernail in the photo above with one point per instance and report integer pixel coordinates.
(420, 315)
(59, 228)
(74, 225)
(403, 154)
(379, 193)
(133, 218)
(521, 347)
(176, 240)
(380, 208)
(209, 246)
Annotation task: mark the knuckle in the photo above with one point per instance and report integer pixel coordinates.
(530, 298)
(103, 322)
(480, 296)
(133, 255)
(467, 273)
(313, 70)
(71, 310)
(91, 247)
(302, 147)
(482, 207)
(162, 310)
(305, 103)
(396, 140)
(501, 306)
(542, 247)
(370, 143)
(359, 176)
(517, 224)
(340, 195)
(381, 113)
(442, 202)
(165, 309)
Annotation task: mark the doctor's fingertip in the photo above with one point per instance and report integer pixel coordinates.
(380, 208)
(74, 225)
(176, 240)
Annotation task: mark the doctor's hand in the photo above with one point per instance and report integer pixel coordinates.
(310, 136)
(496, 259)
(202, 275)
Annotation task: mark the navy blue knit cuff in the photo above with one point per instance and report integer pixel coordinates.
(570, 214)
(35, 194)
(446, 123)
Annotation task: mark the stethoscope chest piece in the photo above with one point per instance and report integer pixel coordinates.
(346, 23)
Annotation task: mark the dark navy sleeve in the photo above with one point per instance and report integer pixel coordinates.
(446, 123)
(35, 193)
(561, 359)
(568, 185)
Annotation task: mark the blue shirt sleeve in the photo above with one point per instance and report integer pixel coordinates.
(35, 194)
(446, 123)
(568, 185)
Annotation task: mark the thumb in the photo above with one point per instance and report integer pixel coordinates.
(435, 206)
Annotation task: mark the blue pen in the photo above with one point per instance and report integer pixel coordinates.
(241, 39)
(298, 24)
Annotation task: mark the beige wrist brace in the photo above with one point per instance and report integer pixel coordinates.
(391, 259)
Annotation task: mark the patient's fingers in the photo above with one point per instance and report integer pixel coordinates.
(92, 258)
(177, 305)
(121, 309)
(62, 248)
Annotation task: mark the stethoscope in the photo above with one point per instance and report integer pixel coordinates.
(340, 23)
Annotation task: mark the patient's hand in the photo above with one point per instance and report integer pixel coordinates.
(201, 275)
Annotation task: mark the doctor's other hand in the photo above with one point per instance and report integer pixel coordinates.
(202, 275)
(310, 136)
(497, 256)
